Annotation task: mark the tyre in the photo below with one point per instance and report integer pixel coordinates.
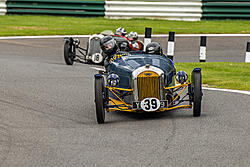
(197, 93)
(68, 54)
(99, 100)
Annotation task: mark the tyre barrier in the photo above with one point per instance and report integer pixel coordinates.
(226, 9)
(189, 10)
(56, 7)
(181, 10)
(3, 9)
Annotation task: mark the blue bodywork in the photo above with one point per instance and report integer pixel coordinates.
(125, 65)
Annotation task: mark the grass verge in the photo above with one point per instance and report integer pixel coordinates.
(26, 25)
(221, 75)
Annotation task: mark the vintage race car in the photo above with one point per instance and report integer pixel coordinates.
(74, 53)
(93, 53)
(140, 82)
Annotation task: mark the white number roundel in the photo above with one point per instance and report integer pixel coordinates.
(97, 58)
(150, 104)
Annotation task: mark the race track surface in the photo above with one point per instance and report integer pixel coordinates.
(47, 115)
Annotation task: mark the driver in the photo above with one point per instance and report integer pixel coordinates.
(110, 48)
(133, 36)
(135, 44)
(121, 31)
(154, 48)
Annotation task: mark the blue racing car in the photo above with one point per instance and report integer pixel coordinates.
(139, 82)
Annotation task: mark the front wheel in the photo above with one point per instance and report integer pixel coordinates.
(99, 100)
(197, 93)
(68, 54)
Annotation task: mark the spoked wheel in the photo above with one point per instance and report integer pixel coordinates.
(99, 100)
(197, 93)
(68, 53)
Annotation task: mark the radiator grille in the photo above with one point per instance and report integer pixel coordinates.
(94, 46)
(148, 84)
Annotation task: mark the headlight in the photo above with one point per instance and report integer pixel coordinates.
(113, 80)
(76, 41)
(181, 77)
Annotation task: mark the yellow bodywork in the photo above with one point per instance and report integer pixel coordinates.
(127, 107)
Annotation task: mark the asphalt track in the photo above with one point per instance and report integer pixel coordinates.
(47, 115)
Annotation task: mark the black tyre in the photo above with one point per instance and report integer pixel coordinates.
(197, 90)
(99, 100)
(68, 54)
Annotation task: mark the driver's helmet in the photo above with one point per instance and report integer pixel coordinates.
(133, 36)
(154, 48)
(121, 31)
(108, 45)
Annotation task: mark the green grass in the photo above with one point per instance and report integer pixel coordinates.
(15, 25)
(222, 74)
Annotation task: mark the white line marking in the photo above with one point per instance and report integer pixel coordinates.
(44, 37)
(228, 90)
(163, 35)
(156, 35)
(198, 35)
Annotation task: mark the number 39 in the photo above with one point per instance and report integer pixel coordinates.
(150, 104)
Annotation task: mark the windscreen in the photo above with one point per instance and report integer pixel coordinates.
(159, 61)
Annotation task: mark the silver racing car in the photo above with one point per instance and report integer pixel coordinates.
(93, 53)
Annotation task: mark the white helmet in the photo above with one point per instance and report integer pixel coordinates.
(120, 31)
(133, 35)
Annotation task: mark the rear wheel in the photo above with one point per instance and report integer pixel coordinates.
(197, 88)
(68, 54)
(99, 100)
